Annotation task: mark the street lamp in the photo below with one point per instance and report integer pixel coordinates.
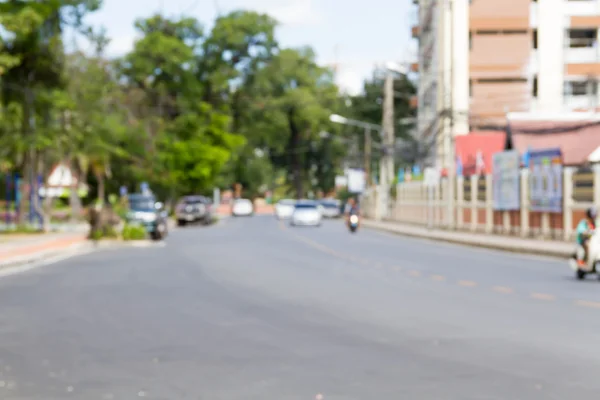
(368, 127)
(396, 67)
(338, 119)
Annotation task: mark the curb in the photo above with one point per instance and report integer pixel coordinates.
(75, 249)
(49, 256)
(482, 243)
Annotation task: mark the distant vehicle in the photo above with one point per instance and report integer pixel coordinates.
(242, 208)
(353, 223)
(146, 211)
(331, 208)
(284, 208)
(306, 213)
(192, 209)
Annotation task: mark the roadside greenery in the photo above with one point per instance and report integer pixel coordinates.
(134, 232)
(187, 109)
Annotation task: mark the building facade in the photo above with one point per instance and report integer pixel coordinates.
(481, 59)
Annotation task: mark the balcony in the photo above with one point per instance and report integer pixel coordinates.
(582, 55)
(581, 8)
(579, 102)
(582, 46)
(533, 65)
(533, 14)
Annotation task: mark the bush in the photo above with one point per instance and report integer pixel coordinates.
(23, 229)
(133, 232)
(106, 232)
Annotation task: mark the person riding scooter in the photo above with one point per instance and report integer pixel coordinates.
(352, 209)
(584, 230)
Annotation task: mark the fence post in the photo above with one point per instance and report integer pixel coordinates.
(474, 201)
(460, 201)
(524, 202)
(568, 202)
(596, 169)
(489, 204)
(377, 202)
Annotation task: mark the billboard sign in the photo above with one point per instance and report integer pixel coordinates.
(506, 186)
(546, 180)
(357, 181)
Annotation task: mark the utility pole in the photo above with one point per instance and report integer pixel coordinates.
(367, 156)
(449, 150)
(387, 160)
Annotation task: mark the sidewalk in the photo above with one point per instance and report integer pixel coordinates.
(25, 249)
(507, 243)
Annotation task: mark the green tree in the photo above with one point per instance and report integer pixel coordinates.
(186, 140)
(368, 107)
(294, 99)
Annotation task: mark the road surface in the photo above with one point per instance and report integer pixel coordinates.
(253, 309)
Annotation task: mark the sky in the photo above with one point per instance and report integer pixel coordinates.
(357, 34)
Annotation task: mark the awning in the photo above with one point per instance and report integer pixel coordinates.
(576, 145)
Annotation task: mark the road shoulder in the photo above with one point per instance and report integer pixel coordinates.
(512, 244)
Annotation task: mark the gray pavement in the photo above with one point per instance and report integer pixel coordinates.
(516, 244)
(254, 309)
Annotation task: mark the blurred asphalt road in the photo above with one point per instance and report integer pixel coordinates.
(253, 309)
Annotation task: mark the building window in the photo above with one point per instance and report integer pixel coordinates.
(581, 88)
(535, 38)
(470, 40)
(470, 87)
(502, 80)
(502, 32)
(534, 88)
(579, 38)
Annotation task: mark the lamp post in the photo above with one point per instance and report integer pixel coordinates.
(368, 128)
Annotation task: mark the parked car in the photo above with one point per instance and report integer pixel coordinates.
(331, 208)
(306, 213)
(192, 209)
(284, 208)
(242, 208)
(146, 211)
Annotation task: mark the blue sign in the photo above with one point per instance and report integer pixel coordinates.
(123, 191)
(416, 171)
(459, 167)
(546, 180)
(401, 175)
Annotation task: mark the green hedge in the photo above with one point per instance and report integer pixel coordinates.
(134, 232)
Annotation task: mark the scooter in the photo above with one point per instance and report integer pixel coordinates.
(353, 223)
(592, 264)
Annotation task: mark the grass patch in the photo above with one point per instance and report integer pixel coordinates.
(21, 229)
(134, 232)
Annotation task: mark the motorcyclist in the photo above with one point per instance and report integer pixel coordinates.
(352, 209)
(584, 230)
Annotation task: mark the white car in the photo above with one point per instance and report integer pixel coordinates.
(284, 208)
(306, 214)
(331, 208)
(242, 208)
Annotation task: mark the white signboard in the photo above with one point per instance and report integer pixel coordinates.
(431, 177)
(506, 182)
(357, 181)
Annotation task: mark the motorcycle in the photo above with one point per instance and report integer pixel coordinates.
(353, 223)
(592, 263)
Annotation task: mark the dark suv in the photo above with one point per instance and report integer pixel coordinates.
(146, 211)
(192, 209)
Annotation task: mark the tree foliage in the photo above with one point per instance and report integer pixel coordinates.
(185, 110)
